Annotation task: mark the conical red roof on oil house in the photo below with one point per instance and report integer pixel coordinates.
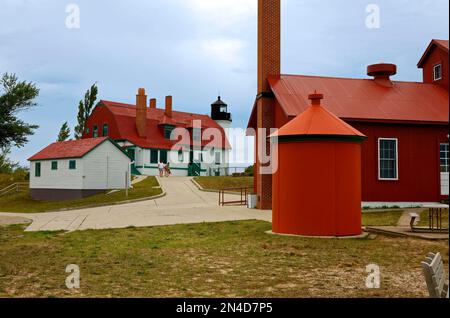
(316, 121)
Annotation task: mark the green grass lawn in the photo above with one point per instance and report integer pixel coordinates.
(22, 202)
(217, 183)
(385, 218)
(424, 221)
(232, 259)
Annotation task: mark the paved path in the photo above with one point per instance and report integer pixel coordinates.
(183, 204)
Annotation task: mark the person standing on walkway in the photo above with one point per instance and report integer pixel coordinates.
(167, 170)
(161, 169)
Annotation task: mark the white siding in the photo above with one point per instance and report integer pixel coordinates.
(180, 169)
(63, 178)
(105, 168)
(102, 169)
(444, 183)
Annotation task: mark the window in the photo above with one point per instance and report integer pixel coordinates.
(444, 158)
(218, 158)
(180, 156)
(37, 169)
(163, 156)
(95, 132)
(388, 159)
(153, 156)
(54, 165)
(105, 130)
(87, 130)
(197, 134)
(72, 164)
(168, 131)
(437, 72)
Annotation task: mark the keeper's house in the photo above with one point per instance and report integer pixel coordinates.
(151, 135)
(80, 168)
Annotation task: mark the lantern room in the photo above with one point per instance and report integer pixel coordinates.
(317, 184)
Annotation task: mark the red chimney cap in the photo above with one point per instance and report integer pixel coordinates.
(141, 91)
(382, 70)
(315, 97)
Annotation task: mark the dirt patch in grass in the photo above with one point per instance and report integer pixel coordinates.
(22, 202)
(218, 183)
(384, 218)
(232, 259)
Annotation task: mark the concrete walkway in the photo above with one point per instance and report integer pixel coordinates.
(183, 204)
(403, 228)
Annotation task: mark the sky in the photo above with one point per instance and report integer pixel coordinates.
(194, 49)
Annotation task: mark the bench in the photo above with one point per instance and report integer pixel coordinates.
(434, 272)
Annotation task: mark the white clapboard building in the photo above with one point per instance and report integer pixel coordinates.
(79, 168)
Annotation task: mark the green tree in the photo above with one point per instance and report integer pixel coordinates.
(85, 109)
(15, 96)
(249, 171)
(6, 165)
(64, 132)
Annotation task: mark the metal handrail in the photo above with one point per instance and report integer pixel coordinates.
(16, 187)
(243, 191)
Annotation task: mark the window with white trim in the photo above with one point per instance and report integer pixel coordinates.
(437, 72)
(95, 132)
(388, 159)
(444, 158)
(218, 158)
(180, 156)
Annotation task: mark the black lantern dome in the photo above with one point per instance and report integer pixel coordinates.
(219, 110)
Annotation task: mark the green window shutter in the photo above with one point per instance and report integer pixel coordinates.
(153, 156)
(105, 131)
(54, 165)
(72, 164)
(164, 156)
(37, 169)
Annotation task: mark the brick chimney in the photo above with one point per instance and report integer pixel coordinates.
(141, 113)
(153, 103)
(269, 42)
(168, 111)
(269, 64)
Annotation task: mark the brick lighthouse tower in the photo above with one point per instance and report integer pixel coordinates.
(269, 64)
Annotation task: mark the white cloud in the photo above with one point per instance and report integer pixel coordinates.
(227, 50)
(223, 13)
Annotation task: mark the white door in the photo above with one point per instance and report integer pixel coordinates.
(444, 169)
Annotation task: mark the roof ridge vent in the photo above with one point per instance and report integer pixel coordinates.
(382, 73)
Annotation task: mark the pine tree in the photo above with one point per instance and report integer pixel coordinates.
(15, 96)
(64, 132)
(85, 109)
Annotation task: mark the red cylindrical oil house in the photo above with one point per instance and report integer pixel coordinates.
(317, 184)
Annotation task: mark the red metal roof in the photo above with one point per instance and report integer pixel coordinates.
(125, 117)
(442, 44)
(316, 120)
(363, 99)
(68, 149)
